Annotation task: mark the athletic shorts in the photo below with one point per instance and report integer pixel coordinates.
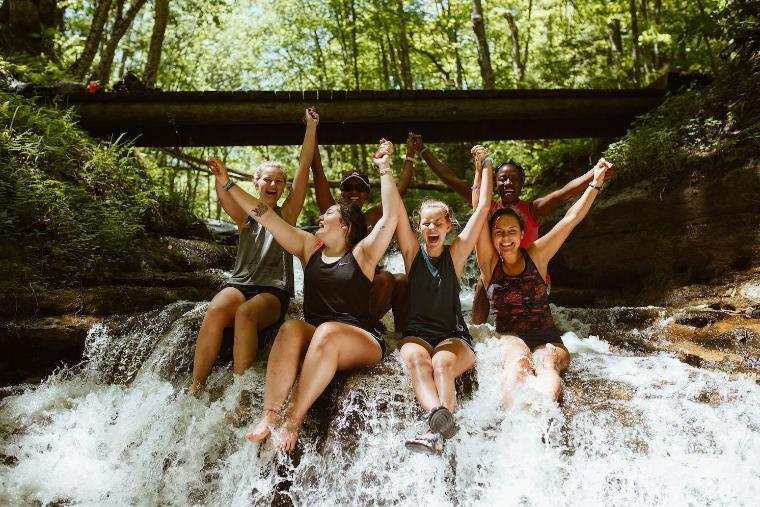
(249, 291)
(539, 337)
(434, 341)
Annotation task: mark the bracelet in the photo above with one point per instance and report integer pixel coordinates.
(230, 183)
(423, 150)
(384, 171)
(597, 187)
(409, 159)
(475, 187)
(483, 162)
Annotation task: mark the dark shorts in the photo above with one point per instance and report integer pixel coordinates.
(540, 337)
(372, 331)
(249, 291)
(434, 341)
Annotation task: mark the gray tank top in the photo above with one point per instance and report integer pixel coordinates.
(261, 260)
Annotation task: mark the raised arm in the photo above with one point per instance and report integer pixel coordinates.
(292, 239)
(544, 248)
(375, 212)
(371, 249)
(407, 239)
(294, 202)
(229, 205)
(322, 192)
(543, 206)
(462, 246)
(444, 173)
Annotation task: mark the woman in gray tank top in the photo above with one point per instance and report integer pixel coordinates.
(436, 345)
(332, 342)
(257, 294)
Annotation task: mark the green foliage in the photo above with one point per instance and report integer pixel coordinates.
(73, 209)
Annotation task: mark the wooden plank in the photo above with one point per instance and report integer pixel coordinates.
(158, 118)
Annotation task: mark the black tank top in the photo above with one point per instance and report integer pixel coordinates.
(337, 292)
(433, 298)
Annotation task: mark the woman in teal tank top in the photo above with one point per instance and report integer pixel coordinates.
(436, 345)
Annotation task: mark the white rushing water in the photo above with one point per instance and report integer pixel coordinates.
(633, 430)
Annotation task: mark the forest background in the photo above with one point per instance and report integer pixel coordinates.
(76, 208)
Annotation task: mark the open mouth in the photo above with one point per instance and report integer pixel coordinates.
(353, 198)
(507, 246)
(433, 238)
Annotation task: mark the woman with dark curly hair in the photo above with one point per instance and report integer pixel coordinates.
(338, 332)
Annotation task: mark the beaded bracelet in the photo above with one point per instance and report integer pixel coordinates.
(596, 187)
(230, 183)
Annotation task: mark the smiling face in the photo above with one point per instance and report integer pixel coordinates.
(434, 226)
(506, 234)
(271, 184)
(330, 222)
(355, 191)
(509, 182)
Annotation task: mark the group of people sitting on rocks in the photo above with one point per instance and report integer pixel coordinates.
(345, 292)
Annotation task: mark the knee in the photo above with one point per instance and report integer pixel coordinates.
(246, 313)
(289, 334)
(418, 361)
(517, 358)
(547, 359)
(325, 338)
(217, 311)
(442, 366)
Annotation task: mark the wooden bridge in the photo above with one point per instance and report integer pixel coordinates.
(157, 118)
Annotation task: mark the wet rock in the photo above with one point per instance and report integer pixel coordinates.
(739, 335)
(140, 292)
(642, 248)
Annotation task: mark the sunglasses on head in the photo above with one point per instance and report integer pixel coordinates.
(354, 187)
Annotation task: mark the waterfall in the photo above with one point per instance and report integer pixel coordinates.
(636, 427)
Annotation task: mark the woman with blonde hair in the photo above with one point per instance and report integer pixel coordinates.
(257, 294)
(436, 345)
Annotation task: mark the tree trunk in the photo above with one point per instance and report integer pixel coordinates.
(616, 44)
(484, 54)
(156, 42)
(94, 36)
(120, 27)
(403, 49)
(354, 46)
(635, 43)
(384, 65)
(515, 36)
(24, 25)
(713, 65)
(526, 51)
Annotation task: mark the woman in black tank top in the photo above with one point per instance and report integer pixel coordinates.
(516, 282)
(436, 345)
(339, 265)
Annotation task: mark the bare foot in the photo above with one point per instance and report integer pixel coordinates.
(195, 388)
(269, 418)
(287, 435)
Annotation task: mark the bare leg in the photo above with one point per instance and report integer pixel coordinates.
(420, 364)
(516, 367)
(219, 314)
(549, 361)
(380, 294)
(334, 346)
(289, 347)
(251, 317)
(450, 359)
(480, 304)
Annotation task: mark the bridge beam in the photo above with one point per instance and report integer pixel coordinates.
(157, 118)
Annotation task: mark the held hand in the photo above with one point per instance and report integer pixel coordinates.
(418, 144)
(382, 157)
(411, 146)
(310, 117)
(600, 170)
(479, 153)
(217, 167)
